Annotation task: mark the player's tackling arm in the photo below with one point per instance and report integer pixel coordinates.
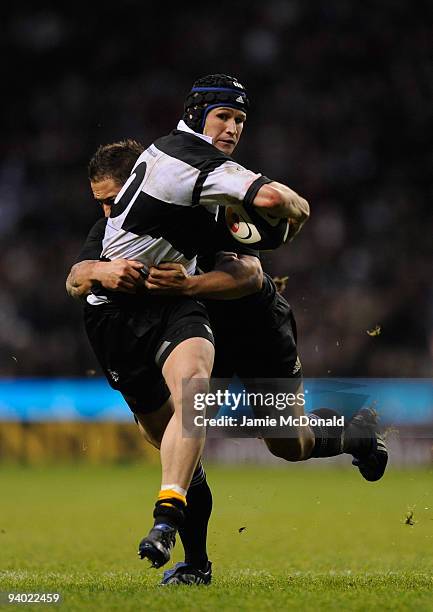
(79, 281)
(117, 275)
(233, 277)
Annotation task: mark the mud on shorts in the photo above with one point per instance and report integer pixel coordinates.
(132, 342)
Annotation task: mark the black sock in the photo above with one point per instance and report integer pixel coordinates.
(193, 532)
(356, 442)
(328, 438)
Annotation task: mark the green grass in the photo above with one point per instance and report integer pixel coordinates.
(314, 540)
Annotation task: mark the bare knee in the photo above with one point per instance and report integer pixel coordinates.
(189, 366)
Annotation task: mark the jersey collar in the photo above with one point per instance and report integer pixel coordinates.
(183, 127)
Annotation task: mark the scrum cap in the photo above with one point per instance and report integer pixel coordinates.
(210, 92)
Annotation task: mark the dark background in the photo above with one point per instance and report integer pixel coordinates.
(341, 111)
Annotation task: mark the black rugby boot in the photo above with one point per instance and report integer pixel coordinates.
(184, 573)
(363, 440)
(157, 546)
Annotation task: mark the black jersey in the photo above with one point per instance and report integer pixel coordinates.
(92, 247)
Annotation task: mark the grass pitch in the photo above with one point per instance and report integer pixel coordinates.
(312, 540)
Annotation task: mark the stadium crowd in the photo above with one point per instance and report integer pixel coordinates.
(341, 111)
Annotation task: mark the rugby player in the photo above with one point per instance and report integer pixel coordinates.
(221, 123)
(109, 169)
(151, 220)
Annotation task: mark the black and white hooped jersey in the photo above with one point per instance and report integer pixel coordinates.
(165, 210)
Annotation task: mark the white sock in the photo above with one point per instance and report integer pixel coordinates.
(174, 487)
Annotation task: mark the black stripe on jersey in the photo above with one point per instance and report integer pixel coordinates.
(196, 192)
(253, 189)
(189, 230)
(190, 149)
(148, 215)
(135, 180)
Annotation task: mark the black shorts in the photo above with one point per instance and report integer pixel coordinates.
(132, 343)
(256, 341)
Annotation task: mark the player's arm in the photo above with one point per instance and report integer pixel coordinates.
(282, 201)
(233, 277)
(231, 183)
(117, 275)
(79, 281)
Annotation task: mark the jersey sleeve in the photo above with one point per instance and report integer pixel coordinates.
(229, 183)
(92, 248)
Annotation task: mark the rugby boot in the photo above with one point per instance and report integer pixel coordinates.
(183, 573)
(157, 546)
(370, 454)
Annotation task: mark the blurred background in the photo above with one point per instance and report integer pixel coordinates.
(341, 111)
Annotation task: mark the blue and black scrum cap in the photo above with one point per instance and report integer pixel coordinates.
(210, 92)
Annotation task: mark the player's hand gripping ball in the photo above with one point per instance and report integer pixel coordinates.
(256, 227)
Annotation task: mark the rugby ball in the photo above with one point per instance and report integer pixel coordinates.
(256, 227)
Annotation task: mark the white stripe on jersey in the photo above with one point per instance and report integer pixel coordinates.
(227, 184)
(167, 178)
(118, 244)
